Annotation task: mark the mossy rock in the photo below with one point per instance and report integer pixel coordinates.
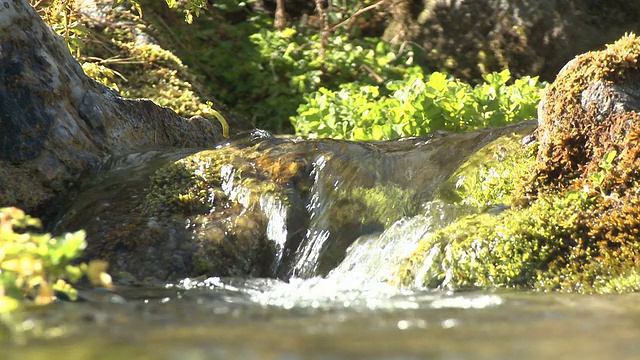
(577, 128)
(140, 62)
(219, 194)
(573, 224)
(545, 246)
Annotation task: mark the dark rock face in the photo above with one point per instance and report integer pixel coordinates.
(471, 38)
(56, 123)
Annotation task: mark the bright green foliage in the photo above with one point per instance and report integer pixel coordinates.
(35, 265)
(292, 55)
(417, 106)
(272, 72)
(190, 8)
(264, 73)
(64, 18)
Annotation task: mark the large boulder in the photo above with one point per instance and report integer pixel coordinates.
(56, 123)
(471, 38)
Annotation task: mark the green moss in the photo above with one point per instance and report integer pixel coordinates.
(380, 204)
(211, 179)
(125, 58)
(174, 190)
(516, 248)
(582, 241)
(490, 176)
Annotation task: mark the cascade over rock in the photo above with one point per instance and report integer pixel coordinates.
(56, 123)
(263, 207)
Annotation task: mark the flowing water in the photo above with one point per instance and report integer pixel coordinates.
(352, 312)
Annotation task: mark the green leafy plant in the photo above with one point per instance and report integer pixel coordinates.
(605, 166)
(36, 266)
(264, 72)
(274, 70)
(63, 16)
(417, 105)
(190, 7)
(586, 194)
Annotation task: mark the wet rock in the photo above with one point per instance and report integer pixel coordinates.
(56, 123)
(264, 207)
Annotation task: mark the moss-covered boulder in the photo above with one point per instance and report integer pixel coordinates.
(572, 217)
(590, 110)
(186, 213)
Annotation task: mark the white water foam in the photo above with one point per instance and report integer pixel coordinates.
(277, 214)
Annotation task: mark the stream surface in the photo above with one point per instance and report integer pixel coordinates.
(312, 319)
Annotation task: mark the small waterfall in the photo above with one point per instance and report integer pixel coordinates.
(374, 258)
(371, 258)
(344, 211)
(240, 194)
(347, 199)
(318, 233)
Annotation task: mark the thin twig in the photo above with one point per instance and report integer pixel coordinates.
(324, 32)
(191, 54)
(371, 72)
(35, 6)
(113, 60)
(357, 13)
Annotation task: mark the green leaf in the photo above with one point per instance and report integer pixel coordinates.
(609, 157)
(437, 81)
(359, 134)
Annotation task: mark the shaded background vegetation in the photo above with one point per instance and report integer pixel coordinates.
(270, 61)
